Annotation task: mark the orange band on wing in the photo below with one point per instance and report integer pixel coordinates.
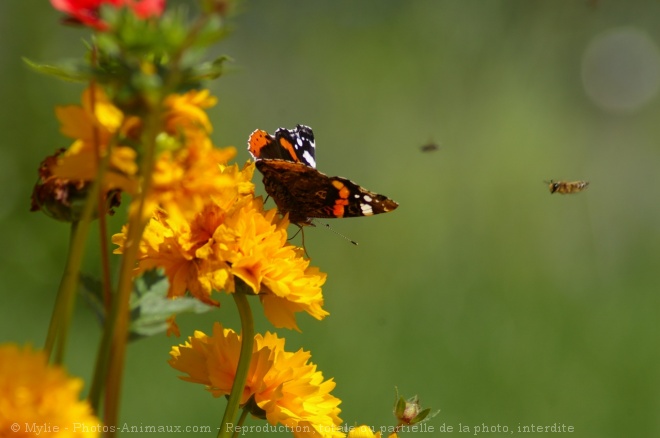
(289, 147)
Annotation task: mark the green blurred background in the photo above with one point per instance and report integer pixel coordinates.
(486, 296)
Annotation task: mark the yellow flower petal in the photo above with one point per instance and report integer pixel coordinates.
(285, 385)
(363, 432)
(208, 251)
(185, 113)
(34, 393)
(90, 123)
(80, 163)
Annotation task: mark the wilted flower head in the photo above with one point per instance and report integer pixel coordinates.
(63, 199)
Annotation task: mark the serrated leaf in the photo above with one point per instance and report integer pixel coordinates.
(153, 281)
(71, 73)
(151, 308)
(155, 312)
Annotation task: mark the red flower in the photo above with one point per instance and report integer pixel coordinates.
(146, 8)
(87, 11)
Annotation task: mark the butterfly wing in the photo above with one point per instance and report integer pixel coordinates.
(306, 193)
(300, 142)
(296, 145)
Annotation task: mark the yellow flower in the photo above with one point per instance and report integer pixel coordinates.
(236, 240)
(286, 387)
(255, 245)
(191, 167)
(94, 127)
(79, 163)
(362, 432)
(185, 179)
(206, 227)
(187, 175)
(34, 394)
(96, 116)
(185, 115)
(366, 432)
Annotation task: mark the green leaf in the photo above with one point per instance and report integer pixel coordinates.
(209, 70)
(71, 72)
(420, 416)
(400, 407)
(424, 416)
(150, 306)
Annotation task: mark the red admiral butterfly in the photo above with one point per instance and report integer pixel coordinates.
(286, 160)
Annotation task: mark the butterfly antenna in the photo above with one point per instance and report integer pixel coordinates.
(302, 236)
(299, 231)
(336, 232)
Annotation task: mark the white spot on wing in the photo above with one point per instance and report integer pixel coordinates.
(366, 209)
(308, 158)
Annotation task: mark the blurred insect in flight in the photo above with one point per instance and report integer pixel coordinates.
(566, 187)
(429, 147)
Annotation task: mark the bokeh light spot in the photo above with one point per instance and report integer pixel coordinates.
(621, 70)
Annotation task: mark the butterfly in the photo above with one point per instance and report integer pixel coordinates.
(287, 162)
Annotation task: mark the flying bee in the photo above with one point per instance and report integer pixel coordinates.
(566, 187)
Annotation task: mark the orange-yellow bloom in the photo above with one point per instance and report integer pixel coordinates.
(79, 163)
(186, 176)
(207, 229)
(185, 179)
(366, 432)
(97, 126)
(187, 163)
(95, 119)
(35, 394)
(285, 386)
(220, 244)
(185, 115)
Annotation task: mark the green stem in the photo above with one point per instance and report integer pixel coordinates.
(101, 360)
(60, 322)
(247, 342)
(101, 202)
(113, 346)
(62, 297)
(240, 421)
